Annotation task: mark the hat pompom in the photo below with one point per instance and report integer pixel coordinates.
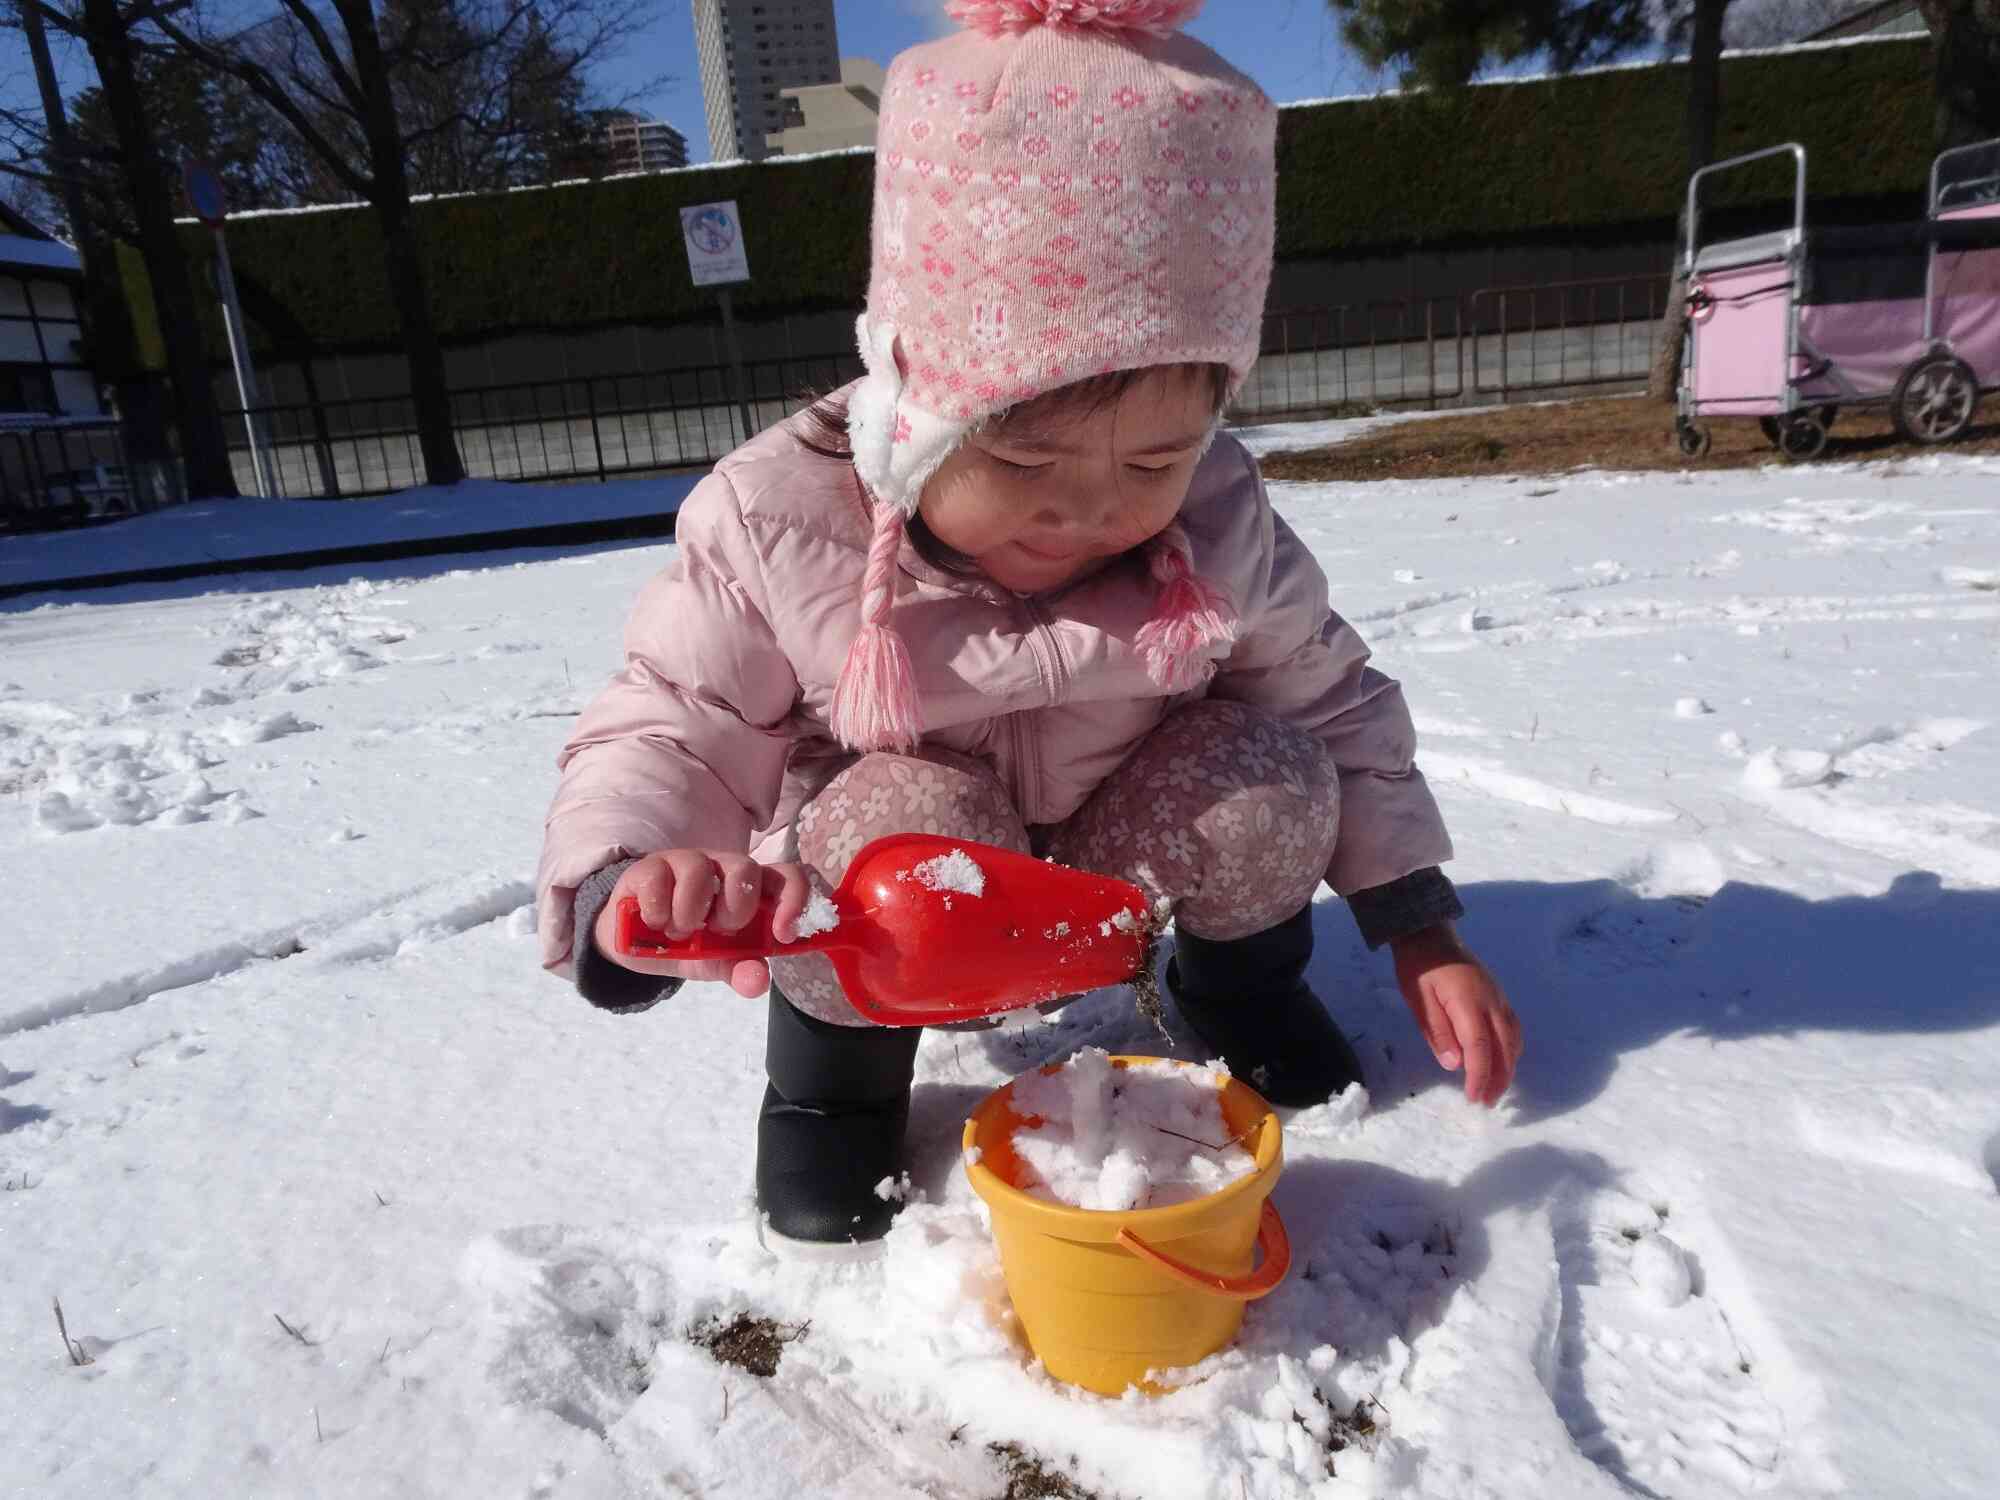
(1000, 17)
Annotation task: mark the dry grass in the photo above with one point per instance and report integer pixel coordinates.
(1606, 433)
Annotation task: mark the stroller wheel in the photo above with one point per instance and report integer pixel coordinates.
(1693, 440)
(1933, 401)
(1772, 431)
(1802, 438)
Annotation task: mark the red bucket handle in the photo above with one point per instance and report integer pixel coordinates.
(1271, 1239)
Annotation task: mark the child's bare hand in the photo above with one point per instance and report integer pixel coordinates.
(683, 891)
(1461, 1010)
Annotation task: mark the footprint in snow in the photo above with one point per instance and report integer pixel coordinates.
(1648, 1376)
(171, 1048)
(572, 1339)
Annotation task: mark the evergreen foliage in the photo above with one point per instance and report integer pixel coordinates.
(1577, 156)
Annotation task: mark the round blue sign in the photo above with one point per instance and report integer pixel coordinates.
(712, 231)
(204, 193)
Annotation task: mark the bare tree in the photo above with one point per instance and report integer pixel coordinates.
(345, 90)
(110, 29)
(196, 114)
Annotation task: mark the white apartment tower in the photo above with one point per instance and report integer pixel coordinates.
(751, 51)
(639, 144)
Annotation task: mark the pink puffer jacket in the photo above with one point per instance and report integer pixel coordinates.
(716, 731)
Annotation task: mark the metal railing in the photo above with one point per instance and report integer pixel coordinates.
(582, 427)
(1323, 358)
(1496, 343)
(61, 471)
(1572, 334)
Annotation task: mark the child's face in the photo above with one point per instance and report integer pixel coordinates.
(1040, 507)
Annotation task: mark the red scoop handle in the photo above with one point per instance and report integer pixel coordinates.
(918, 945)
(754, 940)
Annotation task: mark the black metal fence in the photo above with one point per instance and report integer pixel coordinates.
(1493, 344)
(62, 471)
(582, 427)
(1489, 345)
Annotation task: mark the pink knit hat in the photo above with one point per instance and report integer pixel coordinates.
(1066, 189)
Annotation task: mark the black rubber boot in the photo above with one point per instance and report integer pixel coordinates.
(1248, 1000)
(831, 1125)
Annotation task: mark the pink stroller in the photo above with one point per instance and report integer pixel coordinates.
(1791, 326)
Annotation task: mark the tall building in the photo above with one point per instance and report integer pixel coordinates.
(831, 116)
(639, 144)
(751, 51)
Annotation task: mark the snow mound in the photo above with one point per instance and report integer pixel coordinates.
(1775, 769)
(1682, 868)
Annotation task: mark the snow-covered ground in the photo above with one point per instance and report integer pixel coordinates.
(1722, 758)
(234, 531)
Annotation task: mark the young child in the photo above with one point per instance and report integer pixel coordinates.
(1013, 586)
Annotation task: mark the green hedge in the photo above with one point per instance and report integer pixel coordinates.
(563, 257)
(1594, 151)
(1567, 156)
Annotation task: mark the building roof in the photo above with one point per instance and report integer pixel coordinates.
(1884, 18)
(39, 255)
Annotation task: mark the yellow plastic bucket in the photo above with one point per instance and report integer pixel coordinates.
(1104, 1297)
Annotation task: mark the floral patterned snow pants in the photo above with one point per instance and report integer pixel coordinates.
(1225, 812)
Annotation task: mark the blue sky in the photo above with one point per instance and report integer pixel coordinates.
(1291, 47)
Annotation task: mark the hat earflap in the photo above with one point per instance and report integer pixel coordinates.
(897, 445)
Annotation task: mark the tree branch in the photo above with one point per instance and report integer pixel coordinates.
(255, 77)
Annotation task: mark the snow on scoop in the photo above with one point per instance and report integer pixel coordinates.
(926, 930)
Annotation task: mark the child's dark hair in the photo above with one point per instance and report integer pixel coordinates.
(826, 433)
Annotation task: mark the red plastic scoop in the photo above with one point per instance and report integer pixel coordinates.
(934, 930)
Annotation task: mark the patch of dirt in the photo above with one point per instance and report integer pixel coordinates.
(1358, 1429)
(1615, 432)
(1030, 1477)
(753, 1344)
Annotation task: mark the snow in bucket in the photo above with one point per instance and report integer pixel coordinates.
(1117, 1139)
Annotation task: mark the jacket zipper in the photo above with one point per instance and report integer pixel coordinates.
(1055, 672)
(1027, 765)
(1049, 659)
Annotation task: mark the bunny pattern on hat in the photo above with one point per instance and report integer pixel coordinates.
(1065, 189)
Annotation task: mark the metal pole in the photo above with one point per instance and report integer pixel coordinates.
(239, 355)
(736, 363)
(596, 437)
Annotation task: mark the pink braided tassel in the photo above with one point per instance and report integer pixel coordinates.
(875, 705)
(1190, 616)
